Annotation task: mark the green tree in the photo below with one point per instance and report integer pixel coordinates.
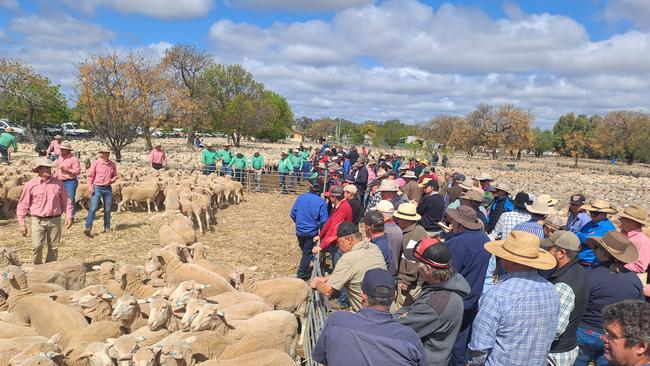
(626, 135)
(441, 127)
(279, 127)
(543, 141)
(321, 129)
(302, 124)
(391, 132)
(575, 136)
(28, 97)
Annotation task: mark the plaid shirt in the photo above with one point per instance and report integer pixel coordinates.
(516, 322)
(531, 226)
(373, 201)
(567, 303)
(507, 222)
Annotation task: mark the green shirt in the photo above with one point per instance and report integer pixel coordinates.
(305, 155)
(238, 163)
(209, 157)
(226, 156)
(285, 166)
(257, 162)
(7, 140)
(296, 161)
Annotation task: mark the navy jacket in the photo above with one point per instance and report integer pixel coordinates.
(382, 243)
(309, 213)
(471, 260)
(432, 210)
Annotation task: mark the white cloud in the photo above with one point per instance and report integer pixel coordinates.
(163, 9)
(300, 5)
(59, 31)
(404, 59)
(636, 11)
(10, 4)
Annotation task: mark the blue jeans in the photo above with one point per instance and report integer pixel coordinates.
(106, 193)
(292, 176)
(225, 169)
(343, 294)
(210, 168)
(71, 188)
(5, 154)
(283, 178)
(591, 348)
(239, 175)
(306, 244)
(306, 169)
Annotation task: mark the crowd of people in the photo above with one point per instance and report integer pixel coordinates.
(450, 270)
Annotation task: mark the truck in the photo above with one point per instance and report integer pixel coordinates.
(71, 129)
(18, 131)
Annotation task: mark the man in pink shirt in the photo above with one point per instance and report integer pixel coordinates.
(633, 218)
(67, 170)
(45, 199)
(54, 150)
(157, 157)
(102, 173)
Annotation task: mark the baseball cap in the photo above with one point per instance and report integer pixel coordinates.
(315, 185)
(346, 228)
(459, 177)
(384, 206)
(562, 239)
(349, 178)
(378, 282)
(351, 188)
(374, 218)
(577, 199)
(336, 191)
(430, 183)
(431, 252)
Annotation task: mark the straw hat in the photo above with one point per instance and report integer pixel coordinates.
(635, 213)
(523, 248)
(384, 206)
(424, 183)
(407, 211)
(475, 195)
(555, 221)
(388, 185)
(599, 206)
(58, 137)
(616, 244)
(424, 162)
(41, 161)
(502, 187)
(157, 144)
(483, 176)
(548, 199)
(65, 146)
(465, 216)
(409, 174)
(104, 150)
(539, 207)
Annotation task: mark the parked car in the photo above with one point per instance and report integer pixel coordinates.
(157, 133)
(18, 131)
(52, 130)
(71, 129)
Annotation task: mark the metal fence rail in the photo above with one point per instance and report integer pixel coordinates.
(317, 310)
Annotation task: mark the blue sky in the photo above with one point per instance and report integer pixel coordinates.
(365, 59)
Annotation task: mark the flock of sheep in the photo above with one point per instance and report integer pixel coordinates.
(177, 309)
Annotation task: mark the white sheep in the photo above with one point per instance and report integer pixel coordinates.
(198, 257)
(128, 313)
(264, 357)
(146, 192)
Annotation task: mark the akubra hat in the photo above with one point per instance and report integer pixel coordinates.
(502, 187)
(539, 207)
(409, 174)
(465, 216)
(65, 146)
(388, 185)
(476, 195)
(635, 213)
(483, 177)
(548, 199)
(616, 244)
(407, 211)
(41, 161)
(599, 206)
(523, 248)
(104, 150)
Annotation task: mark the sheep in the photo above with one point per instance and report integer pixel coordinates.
(9, 256)
(95, 332)
(184, 229)
(51, 358)
(38, 276)
(13, 346)
(128, 313)
(198, 257)
(97, 354)
(177, 353)
(186, 291)
(145, 357)
(106, 277)
(160, 315)
(9, 330)
(167, 235)
(238, 192)
(123, 348)
(178, 272)
(140, 193)
(94, 302)
(149, 337)
(201, 209)
(228, 299)
(191, 310)
(45, 288)
(132, 283)
(245, 310)
(75, 272)
(82, 196)
(172, 201)
(265, 357)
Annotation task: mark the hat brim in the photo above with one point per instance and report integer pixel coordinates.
(530, 209)
(629, 217)
(65, 148)
(388, 190)
(630, 255)
(591, 208)
(507, 190)
(399, 215)
(104, 151)
(544, 261)
(454, 214)
(35, 170)
(409, 176)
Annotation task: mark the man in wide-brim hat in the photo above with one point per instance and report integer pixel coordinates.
(538, 210)
(101, 175)
(501, 204)
(475, 198)
(53, 151)
(633, 218)
(45, 199)
(408, 284)
(68, 169)
(531, 302)
(411, 189)
(599, 225)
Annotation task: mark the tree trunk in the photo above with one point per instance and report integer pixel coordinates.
(519, 155)
(237, 140)
(28, 125)
(147, 141)
(190, 137)
(575, 164)
(118, 154)
(495, 155)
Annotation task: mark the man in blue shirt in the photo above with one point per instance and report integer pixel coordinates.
(598, 227)
(371, 336)
(517, 319)
(309, 213)
(577, 216)
(374, 222)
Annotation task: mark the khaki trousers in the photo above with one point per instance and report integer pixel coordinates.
(46, 231)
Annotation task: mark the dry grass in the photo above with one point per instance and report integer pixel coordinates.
(257, 232)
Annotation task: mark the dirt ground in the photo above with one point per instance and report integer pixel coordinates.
(257, 232)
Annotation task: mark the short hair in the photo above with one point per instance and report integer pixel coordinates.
(379, 301)
(634, 317)
(437, 274)
(570, 253)
(375, 229)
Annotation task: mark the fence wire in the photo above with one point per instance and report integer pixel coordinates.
(317, 310)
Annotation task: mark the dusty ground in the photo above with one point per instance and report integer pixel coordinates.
(257, 232)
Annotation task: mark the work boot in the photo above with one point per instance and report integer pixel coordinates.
(87, 233)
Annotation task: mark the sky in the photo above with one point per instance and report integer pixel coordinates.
(364, 59)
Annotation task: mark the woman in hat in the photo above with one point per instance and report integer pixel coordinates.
(157, 157)
(609, 282)
(598, 226)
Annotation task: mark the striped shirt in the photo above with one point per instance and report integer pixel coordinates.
(532, 226)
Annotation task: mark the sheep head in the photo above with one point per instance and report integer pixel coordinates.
(187, 290)
(127, 309)
(97, 354)
(160, 311)
(124, 347)
(146, 356)
(191, 311)
(177, 353)
(13, 278)
(208, 317)
(8, 257)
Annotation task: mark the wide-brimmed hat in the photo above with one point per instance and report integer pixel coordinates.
(635, 213)
(350, 188)
(476, 195)
(372, 162)
(388, 185)
(65, 146)
(500, 186)
(465, 216)
(599, 206)
(616, 244)
(523, 248)
(548, 199)
(104, 150)
(562, 239)
(424, 162)
(157, 144)
(466, 187)
(483, 177)
(538, 206)
(555, 221)
(410, 174)
(577, 199)
(384, 206)
(407, 211)
(58, 137)
(41, 161)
